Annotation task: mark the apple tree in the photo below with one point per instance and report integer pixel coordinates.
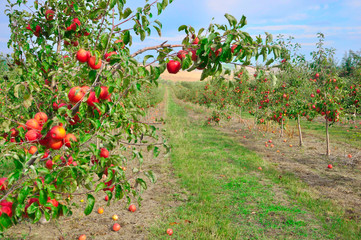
(72, 89)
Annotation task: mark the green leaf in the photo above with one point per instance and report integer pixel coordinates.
(156, 152)
(159, 31)
(119, 193)
(5, 220)
(181, 28)
(232, 20)
(112, 3)
(142, 183)
(90, 204)
(126, 37)
(127, 12)
(38, 215)
(23, 194)
(151, 176)
(42, 197)
(100, 186)
(32, 208)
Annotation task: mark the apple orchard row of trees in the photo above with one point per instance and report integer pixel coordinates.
(318, 88)
(71, 98)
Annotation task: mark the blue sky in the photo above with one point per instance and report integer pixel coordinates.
(340, 21)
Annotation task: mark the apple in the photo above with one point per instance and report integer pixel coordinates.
(107, 55)
(76, 94)
(32, 136)
(68, 139)
(82, 55)
(92, 64)
(49, 14)
(318, 91)
(196, 40)
(349, 156)
(92, 99)
(3, 184)
(104, 153)
(33, 150)
(82, 237)
(32, 124)
(329, 166)
(57, 133)
(49, 164)
(54, 144)
(182, 54)
(115, 217)
(100, 210)
(312, 95)
(104, 94)
(132, 208)
(173, 66)
(170, 231)
(106, 198)
(116, 227)
(317, 75)
(41, 117)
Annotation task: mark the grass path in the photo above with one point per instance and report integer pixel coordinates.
(228, 197)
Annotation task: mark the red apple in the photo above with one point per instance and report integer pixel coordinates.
(116, 227)
(83, 55)
(92, 64)
(49, 14)
(132, 208)
(329, 166)
(170, 231)
(107, 55)
(173, 66)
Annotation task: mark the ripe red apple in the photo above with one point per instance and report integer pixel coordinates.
(317, 75)
(132, 208)
(76, 94)
(107, 55)
(41, 117)
(53, 202)
(68, 139)
(104, 153)
(49, 164)
(32, 124)
(33, 150)
(173, 66)
(57, 133)
(182, 54)
(92, 99)
(32, 136)
(170, 231)
(329, 166)
(312, 95)
(196, 40)
(318, 91)
(49, 14)
(3, 184)
(106, 198)
(82, 55)
(116, 227)
(92, 64)
(54, 144)
(82, 237)
(104, 94)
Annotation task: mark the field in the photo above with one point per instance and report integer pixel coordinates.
(221, 182)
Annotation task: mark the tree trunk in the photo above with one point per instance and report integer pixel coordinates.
(327, 139)
(281, 127)
(299, 130)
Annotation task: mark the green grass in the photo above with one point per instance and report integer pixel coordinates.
(229, 198)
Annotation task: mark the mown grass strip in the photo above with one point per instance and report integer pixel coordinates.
(229, 198)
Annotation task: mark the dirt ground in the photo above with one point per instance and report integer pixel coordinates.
(98, 226)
